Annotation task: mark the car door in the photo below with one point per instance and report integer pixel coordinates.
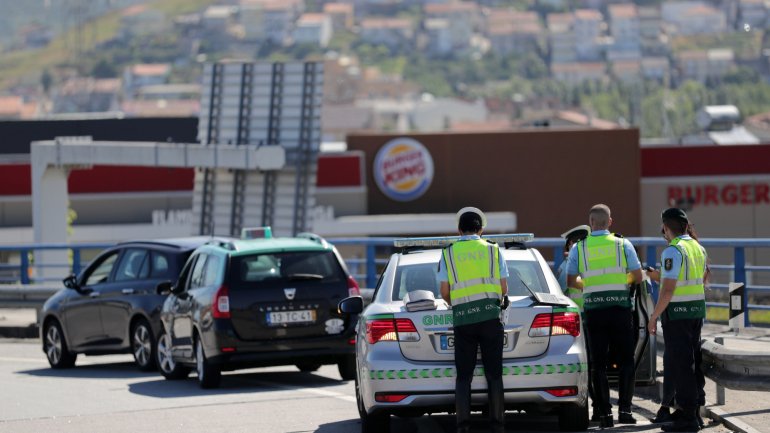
(129, 280)
(181, 308)
(82, 312)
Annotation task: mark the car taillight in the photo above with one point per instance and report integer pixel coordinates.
(563, 392)
(221, 308)
(563, 323)
(389, 398)
(353, 289)
(391, 330)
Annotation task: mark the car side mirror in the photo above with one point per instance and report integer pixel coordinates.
(164, 288)
(71, 282)
(351, 305)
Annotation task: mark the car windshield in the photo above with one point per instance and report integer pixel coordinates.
(286, 267)
(521, 274)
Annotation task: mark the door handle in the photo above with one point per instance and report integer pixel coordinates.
(94, 294)
(128, 291)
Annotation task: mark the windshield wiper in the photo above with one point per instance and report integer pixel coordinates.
(305, 277)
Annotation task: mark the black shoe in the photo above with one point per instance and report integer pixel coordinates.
(626, 418)
(596, 417)
(699, 418)
(682, 425)
(605, 421)
(677, 415)
(663, 416)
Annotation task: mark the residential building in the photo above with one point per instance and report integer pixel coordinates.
(439, 36)
(140, 20)
(652, 38)
(463, 18)
(87, 95)
(394, 33)
(216, 19)
(588, 27)
(161, 108)
(15, 108)
(753, 13)
(627, 71)
(341, 15)
(692, 17)
(278, 20)
(625, 30)
(512, 31)
(169, 91)
(314, 29)
(561, 37)
(655, 68)
(144, 74)
(702, 65)
(577, 73)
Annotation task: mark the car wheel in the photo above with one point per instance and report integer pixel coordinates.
(209, 375)
(55, 347)
(143, 345)
(370, 423)
(347, 367)
(308, 367)
(169, 368)
(573, 417)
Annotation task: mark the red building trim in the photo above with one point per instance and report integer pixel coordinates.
(705, 161)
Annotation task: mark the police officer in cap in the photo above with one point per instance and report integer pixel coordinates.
(602, 260)
(473, 276)
(682, 306)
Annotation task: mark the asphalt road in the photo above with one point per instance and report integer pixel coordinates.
(107, 394)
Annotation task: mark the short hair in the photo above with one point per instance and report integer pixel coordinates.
(470, 222)
(600, 214)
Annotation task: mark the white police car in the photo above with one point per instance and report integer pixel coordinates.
(404, 345)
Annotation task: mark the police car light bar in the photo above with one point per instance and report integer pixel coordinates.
(443, 241)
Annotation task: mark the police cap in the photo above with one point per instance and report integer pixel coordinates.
(578, 233)
(473, 210)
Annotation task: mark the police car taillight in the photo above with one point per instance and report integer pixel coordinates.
(221, 307)
(563, 392)
(353, 289)
(382, 397)
(391, 330)
(562, 323)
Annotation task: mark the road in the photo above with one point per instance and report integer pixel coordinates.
(107, 394)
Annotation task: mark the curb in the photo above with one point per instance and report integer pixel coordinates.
(31, 331)
(730, 421)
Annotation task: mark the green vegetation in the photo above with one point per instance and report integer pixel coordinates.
(746, 45)
(721, 315)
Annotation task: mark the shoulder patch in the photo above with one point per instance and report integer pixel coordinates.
(617, 235)
(668, 264)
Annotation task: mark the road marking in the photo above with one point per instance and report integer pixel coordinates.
(319, 392)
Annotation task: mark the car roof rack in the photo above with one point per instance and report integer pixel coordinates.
(516, 240)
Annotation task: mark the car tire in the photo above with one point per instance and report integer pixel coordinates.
(209, 375)
(169, 369)
(55, 347)
(370, 423)
(573, 417)
(347, 367)
(308, 367)
(143, 345)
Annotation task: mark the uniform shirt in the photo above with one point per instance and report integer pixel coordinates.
(632, 260)
(561, 275)
(442, 274)
(672, 253)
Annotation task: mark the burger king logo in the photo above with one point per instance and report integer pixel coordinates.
(403, 169)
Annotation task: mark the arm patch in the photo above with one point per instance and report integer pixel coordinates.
(668, 264)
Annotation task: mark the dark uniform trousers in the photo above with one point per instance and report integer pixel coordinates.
(683, 358)
(669, 376)
(468, 338)
(607, 327)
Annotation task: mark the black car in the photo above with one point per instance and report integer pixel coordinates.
(113, 306)
(254, 303)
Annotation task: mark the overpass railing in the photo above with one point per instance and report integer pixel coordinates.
(367, 256)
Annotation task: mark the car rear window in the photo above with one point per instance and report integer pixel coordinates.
(286, 267)
(423, 277)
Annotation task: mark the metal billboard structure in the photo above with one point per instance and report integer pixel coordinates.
(259, 104)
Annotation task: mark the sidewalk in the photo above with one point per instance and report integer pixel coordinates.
(18, 323)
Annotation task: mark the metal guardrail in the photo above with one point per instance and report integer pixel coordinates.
(376, 250)
(735, 369)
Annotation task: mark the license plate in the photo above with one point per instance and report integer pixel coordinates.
(448, 341)
(296, 316)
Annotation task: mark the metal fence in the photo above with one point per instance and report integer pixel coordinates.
(372, 254)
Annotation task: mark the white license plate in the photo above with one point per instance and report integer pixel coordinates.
(448, 341)
(284, 317)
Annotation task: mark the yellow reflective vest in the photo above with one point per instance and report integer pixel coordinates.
(475, 289)
(689, 300)
(602, 265)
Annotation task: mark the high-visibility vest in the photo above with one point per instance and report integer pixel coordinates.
(475, 291)
(576, 295)
(689, 300)
(602, 265)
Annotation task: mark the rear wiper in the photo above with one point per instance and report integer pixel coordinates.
(305, 277)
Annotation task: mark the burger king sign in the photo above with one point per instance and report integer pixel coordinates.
(403, 169)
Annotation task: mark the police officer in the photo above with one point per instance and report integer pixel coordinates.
(682, 302)
(572, 236)
(472, 273)
(602, 260)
